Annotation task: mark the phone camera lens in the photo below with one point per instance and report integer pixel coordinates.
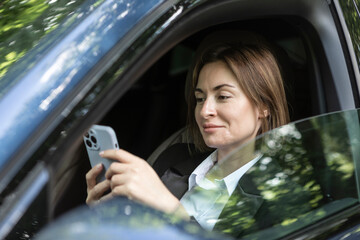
(88, 143)
(93, 139)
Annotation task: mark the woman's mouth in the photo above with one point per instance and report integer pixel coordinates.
(209, 127)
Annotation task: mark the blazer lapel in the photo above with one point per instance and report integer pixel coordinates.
(175, 165)
(176, 182)
(241, 208)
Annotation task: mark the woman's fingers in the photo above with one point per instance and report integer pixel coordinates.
(121, 190)
(92, 174)
(134, 178)
(116, 175)
(116, 168)
(119, 155)
(95, 193)
(118, 179)
(127, 162)
(106, 197)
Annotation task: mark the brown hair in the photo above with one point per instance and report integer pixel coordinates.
(259, 77)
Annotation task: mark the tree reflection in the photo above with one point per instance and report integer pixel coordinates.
(306, 173)
(24, 23)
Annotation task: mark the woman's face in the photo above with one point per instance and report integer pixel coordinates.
(225, 116)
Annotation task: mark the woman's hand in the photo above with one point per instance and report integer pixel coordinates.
(95, 191)
(134, 178)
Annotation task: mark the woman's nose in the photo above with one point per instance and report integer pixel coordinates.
(208, 108)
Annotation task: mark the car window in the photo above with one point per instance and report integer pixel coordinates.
(301, 173)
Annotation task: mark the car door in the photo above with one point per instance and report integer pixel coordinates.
(303, 185)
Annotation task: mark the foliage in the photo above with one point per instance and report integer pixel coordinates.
(23, 23)
(306, 173)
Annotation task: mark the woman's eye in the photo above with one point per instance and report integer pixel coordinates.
(223, 97)
(200, 100)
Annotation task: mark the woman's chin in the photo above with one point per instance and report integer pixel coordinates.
(213, 144)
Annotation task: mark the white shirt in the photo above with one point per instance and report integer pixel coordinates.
(205, 199)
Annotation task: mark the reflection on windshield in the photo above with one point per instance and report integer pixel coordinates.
(301, 173)
(24, 23)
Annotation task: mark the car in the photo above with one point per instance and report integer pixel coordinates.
(66, 65)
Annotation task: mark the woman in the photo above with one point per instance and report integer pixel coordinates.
(237, 94)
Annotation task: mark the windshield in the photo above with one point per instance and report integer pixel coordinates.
(287, 179)
(24, 23)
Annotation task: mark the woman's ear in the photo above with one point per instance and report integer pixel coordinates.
(264, 113)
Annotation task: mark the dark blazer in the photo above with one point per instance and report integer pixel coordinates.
(175, 165)
(247, 210)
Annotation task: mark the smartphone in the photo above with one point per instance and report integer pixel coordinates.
(97, 139)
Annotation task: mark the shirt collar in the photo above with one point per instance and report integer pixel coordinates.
(197, 177)
(199, 173)
(232, 179)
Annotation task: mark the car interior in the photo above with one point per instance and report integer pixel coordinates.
(154, 108)
(152, 114)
